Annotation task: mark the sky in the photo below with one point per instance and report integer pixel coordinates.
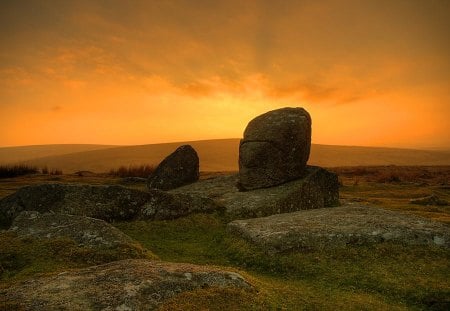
(370, 73)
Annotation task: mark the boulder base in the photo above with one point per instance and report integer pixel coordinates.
(317, 188)
(338, 227)
(122, 285)
(179, 168)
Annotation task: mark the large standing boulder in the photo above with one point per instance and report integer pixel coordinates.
(179, 168)
(103, 202)
(275, 148)
(134, 284)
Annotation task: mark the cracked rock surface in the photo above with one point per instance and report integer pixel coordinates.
(103, 202)
(86, 231)
(275, 148)
(134, 284)
(340, 226)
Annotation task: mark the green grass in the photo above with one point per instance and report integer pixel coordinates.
(384, 276)
(396, 196)
(24, 257)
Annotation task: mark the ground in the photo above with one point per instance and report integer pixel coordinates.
(382, 276)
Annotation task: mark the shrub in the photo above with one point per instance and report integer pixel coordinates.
(45, 170)
(53, 171)
(56, 172)
(143, 170)
(17, 170)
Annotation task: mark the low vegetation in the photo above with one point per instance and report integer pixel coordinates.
(143, 171)
(378, 277)
(384, 276)
(434, 175)
(10, 171)
(46, 171)
(23, 257)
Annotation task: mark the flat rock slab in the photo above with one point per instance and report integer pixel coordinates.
(134, 284)
(340, 226)
(86, 231)
(103, 202)
(316, 189)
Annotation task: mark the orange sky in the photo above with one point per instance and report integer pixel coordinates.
(372, 73)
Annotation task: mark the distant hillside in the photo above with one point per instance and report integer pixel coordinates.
(222, 155)
(22, 153)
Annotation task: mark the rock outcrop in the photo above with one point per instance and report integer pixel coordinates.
(122, 285)
(85, 231)
(316, 188)
(179, 168)
(338, 227)
(102, 202)
(275, 148)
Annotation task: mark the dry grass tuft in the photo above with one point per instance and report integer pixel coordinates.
(143, 170)
(17, 170)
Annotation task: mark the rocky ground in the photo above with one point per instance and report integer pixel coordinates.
(122, 285)
(86, 231)
(317, 188)
(107, 202)
(355, 255)
(351, 224)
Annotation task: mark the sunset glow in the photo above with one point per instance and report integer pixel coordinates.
(371, 73)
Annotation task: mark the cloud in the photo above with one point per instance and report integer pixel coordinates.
(157, 59)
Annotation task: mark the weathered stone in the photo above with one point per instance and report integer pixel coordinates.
(429, 200)
(315, 189)
(338, 227)
(86, 231)
(122, 285)
(179, 168)
(275, 148)
(102, 202)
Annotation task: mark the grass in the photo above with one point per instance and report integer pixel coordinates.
(364, 185)
(10, 171)
(378, 277)
(384, 276)
(24, 257)
(143, 171)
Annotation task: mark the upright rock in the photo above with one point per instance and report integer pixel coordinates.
(275, 148)
(180, 168)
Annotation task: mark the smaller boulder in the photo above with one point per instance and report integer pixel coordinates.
(180, 168)
(87, 232)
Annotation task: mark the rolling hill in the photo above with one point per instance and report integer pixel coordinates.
(215, 155)
(10, 155)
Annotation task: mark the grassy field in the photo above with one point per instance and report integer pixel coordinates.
(378, 277)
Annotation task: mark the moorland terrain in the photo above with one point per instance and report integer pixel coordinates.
(215, 155)
(371, 277)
